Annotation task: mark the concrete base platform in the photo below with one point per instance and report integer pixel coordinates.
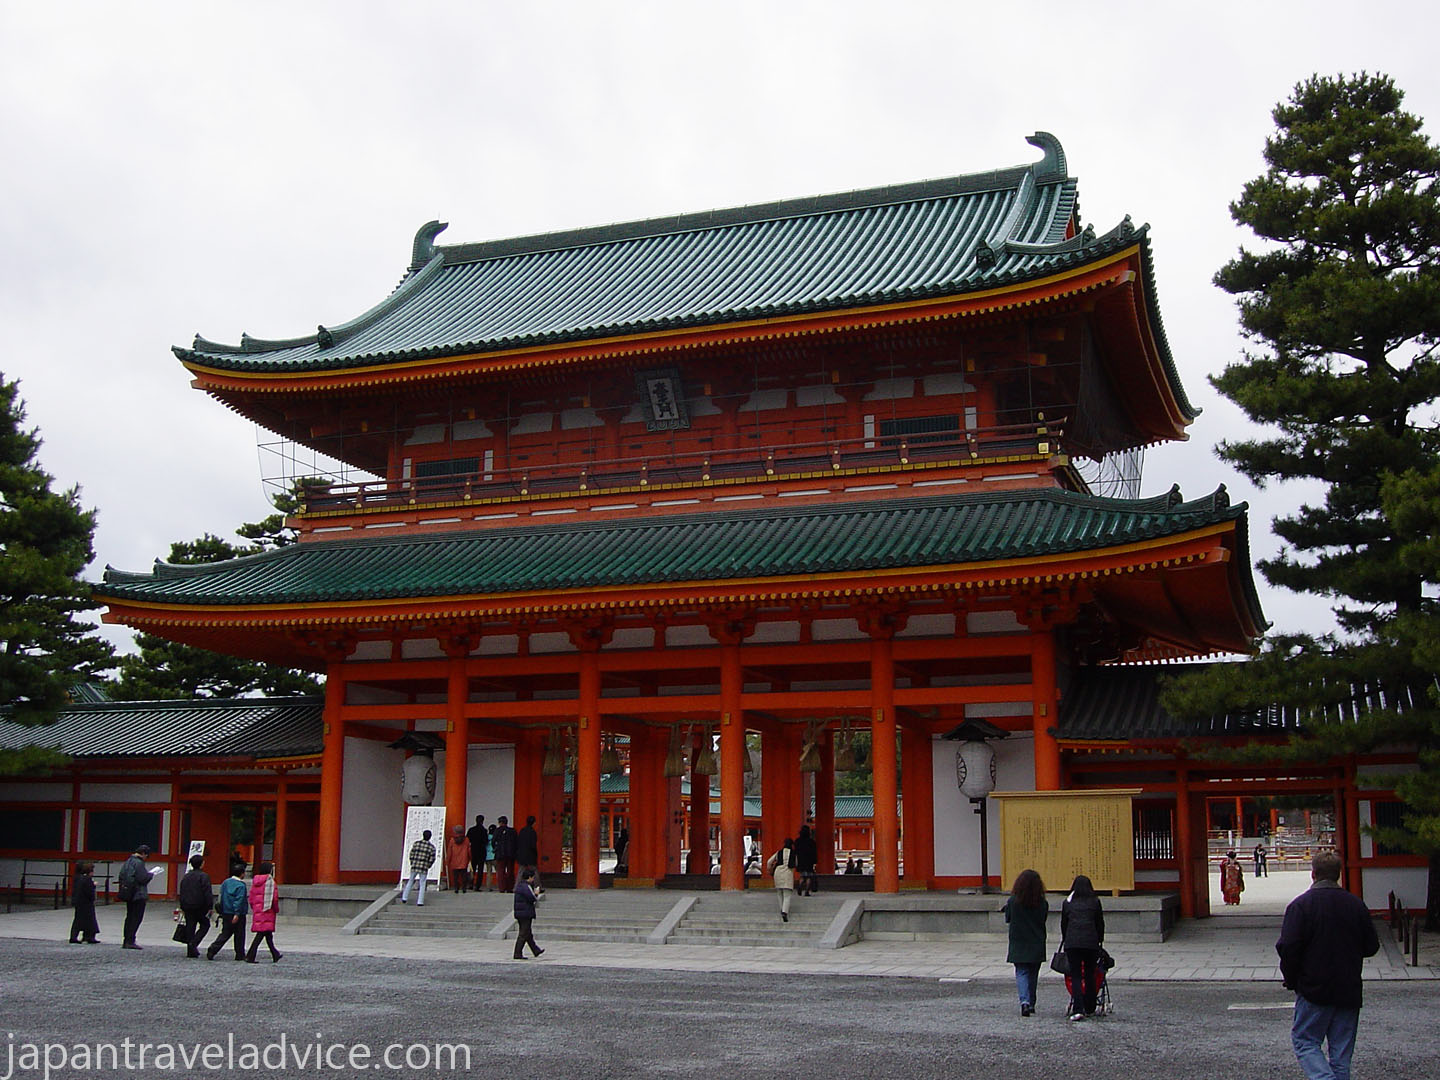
(1144, 917)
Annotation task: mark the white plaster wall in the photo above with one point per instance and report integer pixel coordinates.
(957, 828)
(489, 782)
(491, 790)
(1408, 883)
(125, 793)
(372, 813)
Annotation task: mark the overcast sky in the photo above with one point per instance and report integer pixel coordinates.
(173, 168)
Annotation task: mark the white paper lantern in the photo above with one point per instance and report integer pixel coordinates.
(975, 769)
(418, 779)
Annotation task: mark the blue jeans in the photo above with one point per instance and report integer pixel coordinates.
(415, 875)
(1317, 1024)
(1026, 978)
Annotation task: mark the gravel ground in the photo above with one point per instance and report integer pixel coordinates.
(534, 1018)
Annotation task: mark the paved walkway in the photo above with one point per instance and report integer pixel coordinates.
(1237, 944)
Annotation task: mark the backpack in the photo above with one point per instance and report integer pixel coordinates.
(125, 888)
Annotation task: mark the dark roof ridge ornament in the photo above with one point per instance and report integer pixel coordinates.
(424, 248)
(1051, 168)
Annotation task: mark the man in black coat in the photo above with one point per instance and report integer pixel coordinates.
(527, 846)
(196, 897)
(505, 854)
(1323, 943)
(477, 837)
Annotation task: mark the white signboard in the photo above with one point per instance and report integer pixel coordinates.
(197, 847)
(417, 820)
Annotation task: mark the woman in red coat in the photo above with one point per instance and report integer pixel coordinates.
(264, 903)
(457, 858)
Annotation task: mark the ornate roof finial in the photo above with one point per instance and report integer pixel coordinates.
(1052, 167)
(424, 249)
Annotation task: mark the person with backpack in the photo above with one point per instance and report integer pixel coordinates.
(232, 907)
(133, 889)
(782, 867)
(196, 897)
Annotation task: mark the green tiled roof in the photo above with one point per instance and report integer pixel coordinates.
(885, 245)
(223, 727)
(1119, 702)
(706, 547)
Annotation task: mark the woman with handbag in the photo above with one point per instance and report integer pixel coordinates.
(782, 866)
(1025, 912)
(1082, 932)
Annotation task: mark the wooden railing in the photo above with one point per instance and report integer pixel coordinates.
(696, 467)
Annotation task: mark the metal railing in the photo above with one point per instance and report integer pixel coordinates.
(1406, 927)
(692, 467)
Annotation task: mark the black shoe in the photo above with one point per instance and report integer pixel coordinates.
(251, 960)
(92, 941)
(74, 941)
(519, 956)
(539, 951)
(209, 955)
(277, 958)
(784, 917)
(130, 945)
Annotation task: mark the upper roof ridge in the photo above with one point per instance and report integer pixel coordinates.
(1048, 170)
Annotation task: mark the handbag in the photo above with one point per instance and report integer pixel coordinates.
(180, 937)
(1060, 962)
(1106, 960)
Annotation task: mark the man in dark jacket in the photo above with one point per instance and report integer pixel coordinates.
(525, 897)
(134, 885)
(1323, 943)
(505, 853)
(527, 846)
(478, 838)
(196, 897)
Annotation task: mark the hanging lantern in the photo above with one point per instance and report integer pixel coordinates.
(705, 764)
(554, 763)
(810, 751)
(418, 778)
(675, 757)
(610, 759)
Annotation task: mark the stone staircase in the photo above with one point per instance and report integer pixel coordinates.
(755, 921)
(619, 916)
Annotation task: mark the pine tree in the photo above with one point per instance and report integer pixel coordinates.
(164, 669)
(1341, 305)
(45, 540)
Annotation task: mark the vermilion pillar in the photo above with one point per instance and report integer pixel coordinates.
(732, 768)
(1183, 841)
(587, 771)
(918, 804)
(457, 740)
(332, 777)
(1042, 679)
(698, 861)
(882, 749)
(825, 804)
(776, 769)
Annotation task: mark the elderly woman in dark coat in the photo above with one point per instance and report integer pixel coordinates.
(1026, 911)
(82, 897)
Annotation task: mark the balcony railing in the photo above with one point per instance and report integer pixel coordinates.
(694, 468)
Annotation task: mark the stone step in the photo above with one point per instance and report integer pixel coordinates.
(775, 939)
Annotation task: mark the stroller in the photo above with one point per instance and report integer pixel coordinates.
(1103, 1004)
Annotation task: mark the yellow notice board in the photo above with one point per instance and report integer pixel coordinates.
(1060, 834)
